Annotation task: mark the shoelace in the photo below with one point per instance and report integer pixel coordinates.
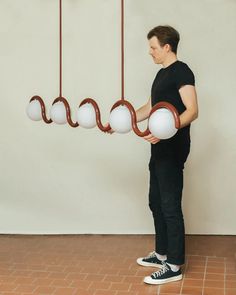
(159, 273)
(152, 254)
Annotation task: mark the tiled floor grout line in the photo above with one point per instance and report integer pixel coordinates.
(130, 285)
(213, 256)
(203, 284)
(186, 265)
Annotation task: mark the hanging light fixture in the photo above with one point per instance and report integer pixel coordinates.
(163, 119)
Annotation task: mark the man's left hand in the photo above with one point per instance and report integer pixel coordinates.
(152, 139)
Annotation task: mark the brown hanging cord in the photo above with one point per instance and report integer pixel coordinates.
(60, 48)
(122, 53)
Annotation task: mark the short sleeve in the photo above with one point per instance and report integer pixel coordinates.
(184, 76)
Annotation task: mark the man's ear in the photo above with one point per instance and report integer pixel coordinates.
(167, 47)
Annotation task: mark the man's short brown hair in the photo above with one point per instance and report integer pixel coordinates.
(165, 35)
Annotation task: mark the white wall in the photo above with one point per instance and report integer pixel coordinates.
(55, 179)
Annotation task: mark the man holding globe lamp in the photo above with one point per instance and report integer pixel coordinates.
(174, 84)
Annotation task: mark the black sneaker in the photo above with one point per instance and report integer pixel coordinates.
(165, 275)
(150, 260)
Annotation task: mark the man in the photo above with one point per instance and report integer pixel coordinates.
(174, 83)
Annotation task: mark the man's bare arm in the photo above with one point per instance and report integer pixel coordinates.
(143, 112)
(189, 98)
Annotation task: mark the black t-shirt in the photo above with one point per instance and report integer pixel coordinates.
(166, 87)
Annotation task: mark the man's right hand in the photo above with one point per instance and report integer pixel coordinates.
(109, 131)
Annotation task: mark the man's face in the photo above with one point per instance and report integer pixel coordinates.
(157, 52)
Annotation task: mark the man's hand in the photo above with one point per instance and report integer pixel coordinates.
(152, 139)
(109, 131)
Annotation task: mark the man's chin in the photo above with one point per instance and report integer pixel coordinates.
(156, 61)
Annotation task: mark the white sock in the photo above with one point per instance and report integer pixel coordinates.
(174, 267)
(161, 257)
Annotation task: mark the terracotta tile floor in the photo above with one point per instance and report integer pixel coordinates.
(105, 264)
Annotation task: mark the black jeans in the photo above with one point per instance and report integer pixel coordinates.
(165, 196)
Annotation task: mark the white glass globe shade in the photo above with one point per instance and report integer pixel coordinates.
(58, 113)
(162, 124)
(120, 120)
(33, 110)
(86, 116)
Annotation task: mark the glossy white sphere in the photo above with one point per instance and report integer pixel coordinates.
(162, 124)
(120, 120)
(33, 110)
(86, 116)
(58, 113)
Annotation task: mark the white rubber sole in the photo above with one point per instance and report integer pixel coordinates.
(149, 280)
(143, 263)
